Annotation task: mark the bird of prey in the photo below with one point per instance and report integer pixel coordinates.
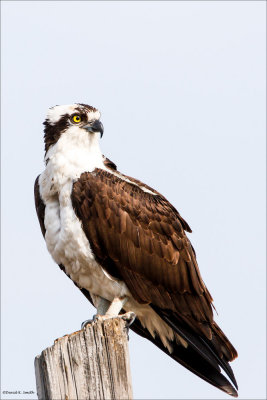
(125, 247)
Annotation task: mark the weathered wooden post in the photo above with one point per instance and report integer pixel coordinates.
(92, 363)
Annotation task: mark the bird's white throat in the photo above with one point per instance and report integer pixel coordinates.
(75, 152)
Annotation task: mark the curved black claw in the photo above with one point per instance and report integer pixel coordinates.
(88, 321)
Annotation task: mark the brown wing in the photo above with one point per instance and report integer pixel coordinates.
(139, 237)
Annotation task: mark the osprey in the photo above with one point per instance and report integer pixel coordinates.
(125, 247)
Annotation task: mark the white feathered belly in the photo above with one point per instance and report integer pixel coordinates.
(68, 245)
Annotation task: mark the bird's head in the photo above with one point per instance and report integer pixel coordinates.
(70, 120)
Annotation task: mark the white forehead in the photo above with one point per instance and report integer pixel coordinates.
(55, 113)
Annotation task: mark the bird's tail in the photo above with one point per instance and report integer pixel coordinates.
(200, 357)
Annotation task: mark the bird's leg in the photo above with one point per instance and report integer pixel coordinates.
(102, 306)
(114, 309)
(106, 309)
(116, 306)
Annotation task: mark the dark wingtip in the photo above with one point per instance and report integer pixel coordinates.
(198, 357)
(229, 389)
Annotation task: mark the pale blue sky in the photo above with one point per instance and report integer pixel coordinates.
(181, 88)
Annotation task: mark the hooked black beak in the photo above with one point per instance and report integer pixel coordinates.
(95, 126)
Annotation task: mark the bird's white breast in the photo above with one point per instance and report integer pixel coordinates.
(65, 238)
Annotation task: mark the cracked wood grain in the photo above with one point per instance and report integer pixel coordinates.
(89, 364)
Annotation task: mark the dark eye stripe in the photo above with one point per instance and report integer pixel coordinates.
(52, 131)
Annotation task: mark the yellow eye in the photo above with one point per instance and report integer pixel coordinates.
(76, 119)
